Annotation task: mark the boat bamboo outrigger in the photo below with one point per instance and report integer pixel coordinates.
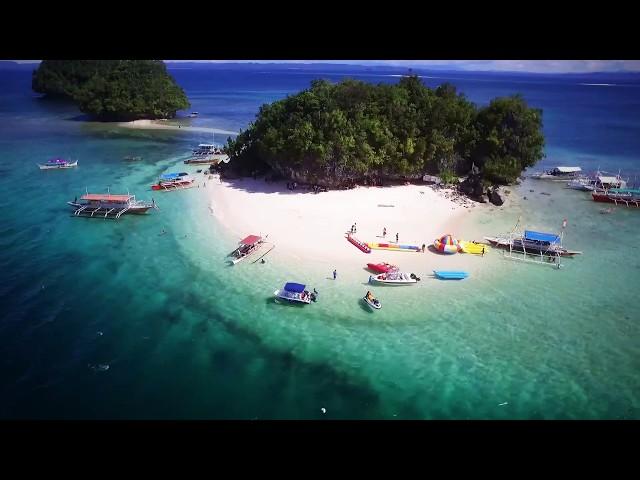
(96, 205)
(629, 197)
(247, 246)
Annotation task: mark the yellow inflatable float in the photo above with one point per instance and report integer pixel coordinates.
(473, 248)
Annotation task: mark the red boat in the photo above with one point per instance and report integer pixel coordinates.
(382, 267)
(619, 196)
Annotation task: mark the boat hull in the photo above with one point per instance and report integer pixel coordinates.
(58, 167)
(137, 210)
(290, 300)
(165, 186)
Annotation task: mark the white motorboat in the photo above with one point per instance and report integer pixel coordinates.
(57, 163)
(295, 293)
(394, 278)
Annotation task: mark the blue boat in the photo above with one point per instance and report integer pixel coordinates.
(450, 275)
(295, 293)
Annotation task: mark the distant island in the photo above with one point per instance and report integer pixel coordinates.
(353, 131)
(113, 90)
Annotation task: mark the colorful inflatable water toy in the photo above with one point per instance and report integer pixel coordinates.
(473, 248)
(394, 247)
(446, 244)
(361, 245)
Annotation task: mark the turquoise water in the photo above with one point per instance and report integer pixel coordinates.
(185, 336)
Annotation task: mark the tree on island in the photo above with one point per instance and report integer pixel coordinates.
(114, 90)
(333, 134)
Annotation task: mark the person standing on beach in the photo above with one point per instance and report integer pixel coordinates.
(423, 247)
(396, 238)
(335, 274)
(355, 228)
(384, 232)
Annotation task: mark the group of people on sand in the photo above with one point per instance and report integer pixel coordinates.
(292, 185)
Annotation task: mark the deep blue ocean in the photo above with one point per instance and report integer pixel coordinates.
(182, 341)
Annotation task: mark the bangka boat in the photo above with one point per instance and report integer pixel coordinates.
(450, 274)
(173, 181)
(394, 278)
(57, 163)
(597, 182)
(371, 301)
(558, 173)
(131, 158)
(382, 267)
(207, 153)
(629, 197)
(193, 114)
(246, 247)
(295, 293)
(533, 242)
(109, 205)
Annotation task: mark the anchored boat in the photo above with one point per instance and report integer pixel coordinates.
(247, 246)
(109, 205)
(173, 181)
(57, 163)
(559, 174)
(394, 278)
(295, 293)
(629, 197)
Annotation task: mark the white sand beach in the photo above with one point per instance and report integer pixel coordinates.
(311, 228)
(164, 125)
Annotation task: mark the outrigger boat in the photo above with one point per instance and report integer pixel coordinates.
(394, 278)
(295, 293)
(247, 246)
(533, 247)
(373, 302)
(559, 174)
(207, 153)
(597, 182)
(620, 196)
(109, 205)
(382, 267)
(57, 163)
(173, 181)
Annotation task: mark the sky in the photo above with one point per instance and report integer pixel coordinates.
(533, 66)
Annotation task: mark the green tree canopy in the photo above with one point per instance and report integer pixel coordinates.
(113, 89)
(334, 132)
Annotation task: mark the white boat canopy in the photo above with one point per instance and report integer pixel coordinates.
(608, 179)
(568, 169)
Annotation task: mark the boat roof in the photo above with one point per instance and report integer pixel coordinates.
(206, 145)
(602, 179)
(541, 237)
(57, 160)
(568, 169)
(250, 240)
(625, 190)
(106, 196)
(172, 176)
(294, 287)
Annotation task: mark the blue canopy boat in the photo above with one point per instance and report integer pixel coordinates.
(450, 274)
(295, 293)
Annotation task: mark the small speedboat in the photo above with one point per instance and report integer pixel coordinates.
(382, 267)
(394, 278)
(450, 274)
(372, 302)
(295, 293)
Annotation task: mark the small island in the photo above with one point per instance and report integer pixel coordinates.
(113, 90)
(338, 135)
